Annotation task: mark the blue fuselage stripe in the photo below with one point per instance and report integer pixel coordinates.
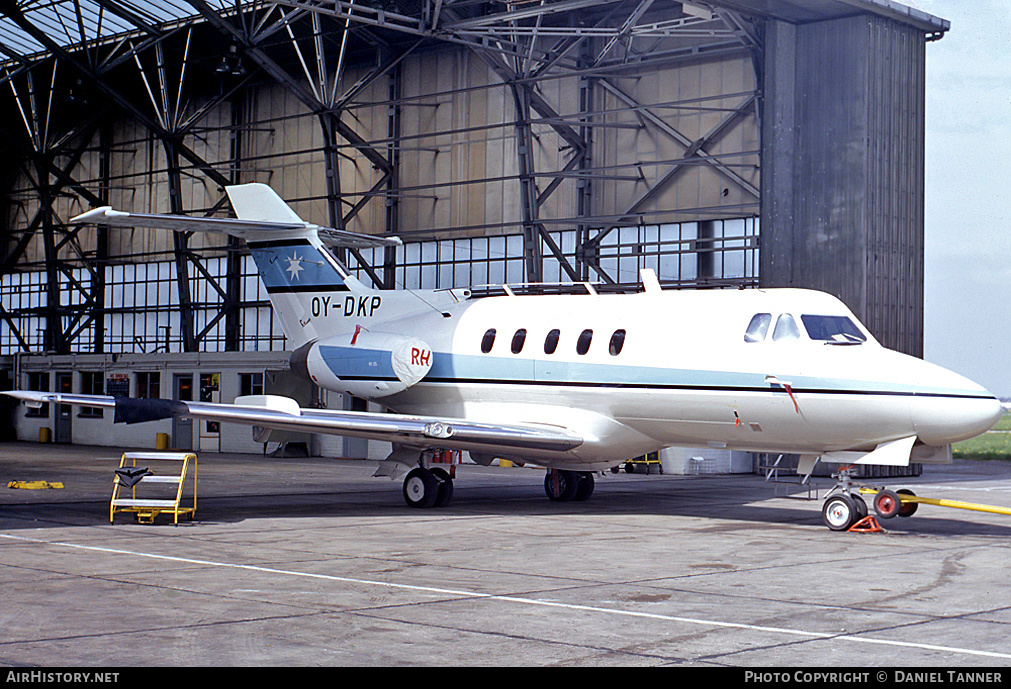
(456, 369)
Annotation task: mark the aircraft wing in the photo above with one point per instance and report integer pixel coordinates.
(271, 412)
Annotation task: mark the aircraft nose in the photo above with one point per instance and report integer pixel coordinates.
(952, 408)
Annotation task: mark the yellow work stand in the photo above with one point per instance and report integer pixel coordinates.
(129, 476)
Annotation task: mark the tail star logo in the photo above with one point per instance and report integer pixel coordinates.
(294, 266)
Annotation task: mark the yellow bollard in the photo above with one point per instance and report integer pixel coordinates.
(161, 441)
(44, 435)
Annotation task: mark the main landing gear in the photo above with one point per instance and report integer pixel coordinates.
(565, 486)
(845, 507)
(428, 487)
(425, 487)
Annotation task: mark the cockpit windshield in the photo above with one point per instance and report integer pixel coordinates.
(832, 329)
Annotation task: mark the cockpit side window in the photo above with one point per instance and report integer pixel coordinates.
(758, 328)
(786, 329)
(835, 329)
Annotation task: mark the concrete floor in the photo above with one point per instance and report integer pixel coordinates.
(291, 562)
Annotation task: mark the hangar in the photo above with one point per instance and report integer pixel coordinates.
(725, 144)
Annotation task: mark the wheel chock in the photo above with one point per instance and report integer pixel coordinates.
(868, 524)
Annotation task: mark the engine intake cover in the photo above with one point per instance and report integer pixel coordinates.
(366, 364)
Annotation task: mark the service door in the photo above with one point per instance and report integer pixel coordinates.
(182, 427)
(64, 430)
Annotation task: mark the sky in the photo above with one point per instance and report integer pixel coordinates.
(967, 300)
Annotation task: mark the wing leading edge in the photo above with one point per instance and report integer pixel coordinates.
(269, 412)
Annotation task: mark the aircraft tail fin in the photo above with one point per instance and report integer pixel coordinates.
(303, 279)
(260, 202)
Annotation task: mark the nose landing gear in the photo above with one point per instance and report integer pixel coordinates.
(844, 507)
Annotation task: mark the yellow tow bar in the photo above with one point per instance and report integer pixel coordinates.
(903, 502)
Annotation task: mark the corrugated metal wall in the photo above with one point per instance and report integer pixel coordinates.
(843, 192)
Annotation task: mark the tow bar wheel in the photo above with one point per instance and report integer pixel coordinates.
(839, 512)
(887, 503)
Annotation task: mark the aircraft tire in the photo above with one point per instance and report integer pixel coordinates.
(887, 504)
(444, 494)
(421, 488)
(584, 487)
(907, 509)
(861, 506)
(561, 486)
(839, 512)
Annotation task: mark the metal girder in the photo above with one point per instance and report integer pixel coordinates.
(694, 148)
(305, 46)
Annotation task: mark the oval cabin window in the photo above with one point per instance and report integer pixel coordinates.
(488, 340)
(551, 342)
(518, 339)
(617, 342)
(583, 343)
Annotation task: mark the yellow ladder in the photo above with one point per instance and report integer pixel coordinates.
(146, 509)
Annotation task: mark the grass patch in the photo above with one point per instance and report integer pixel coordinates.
(991, 445)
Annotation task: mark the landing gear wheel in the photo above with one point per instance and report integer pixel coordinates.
(421, 488)
(839, 512)
(908, 509)
(584, 488)
(887, 504)
(861, 506)
(445, 491)
(561, 486)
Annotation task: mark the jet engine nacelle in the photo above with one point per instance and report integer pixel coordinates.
(366, 364)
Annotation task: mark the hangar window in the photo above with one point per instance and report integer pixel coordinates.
(551, 342)
(251, 383)
(758, 328)
(518, 339)
(38, 382)
(833, 329)
(149, 384)
(92, 384)
(617, 342)
(786, 328)
(488, 340)
(583, 343)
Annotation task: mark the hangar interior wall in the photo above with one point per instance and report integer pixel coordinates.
(757, 151)
(459, 181)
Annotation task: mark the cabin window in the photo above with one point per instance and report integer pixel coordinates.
(617, 342)
(838, 329)
(583, 343)
(786, 328)
(758, 328)
(39, 382)
(488, 340)
(518, 339)
(551, 342)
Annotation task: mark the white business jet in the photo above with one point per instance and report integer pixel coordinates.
(576, 383)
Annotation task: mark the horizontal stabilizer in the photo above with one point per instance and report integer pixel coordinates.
(251, 230)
